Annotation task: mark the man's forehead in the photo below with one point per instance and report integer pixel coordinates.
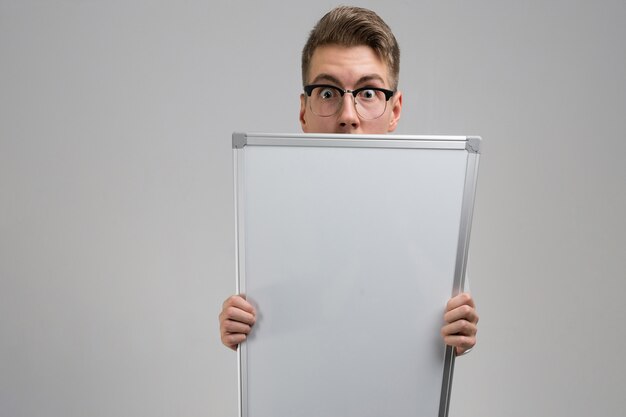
(352, 64)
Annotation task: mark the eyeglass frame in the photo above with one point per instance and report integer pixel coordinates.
(308, 89)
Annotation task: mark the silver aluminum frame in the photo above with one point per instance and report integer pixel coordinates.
(361, 141)
(240, 269)
(470, 143)
(467, 211)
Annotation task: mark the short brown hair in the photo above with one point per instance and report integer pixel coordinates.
(354, 26)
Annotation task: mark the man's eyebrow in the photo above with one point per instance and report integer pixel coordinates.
(372, 77)
(326, 77)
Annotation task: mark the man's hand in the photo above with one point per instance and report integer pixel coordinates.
(236, 320)
(461, 320)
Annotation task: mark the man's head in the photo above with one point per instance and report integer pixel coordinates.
(350, 48)
(354, 26)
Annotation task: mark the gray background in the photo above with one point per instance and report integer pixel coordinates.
(116, 204)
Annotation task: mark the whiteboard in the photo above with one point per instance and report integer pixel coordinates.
(349, 248)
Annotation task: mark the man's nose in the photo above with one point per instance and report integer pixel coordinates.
(347, 113)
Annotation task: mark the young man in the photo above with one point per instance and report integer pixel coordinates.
(350, 69)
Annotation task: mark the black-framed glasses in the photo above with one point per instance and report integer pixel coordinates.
(325, 100)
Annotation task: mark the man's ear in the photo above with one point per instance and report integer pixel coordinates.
(303, 112)
(396, 111)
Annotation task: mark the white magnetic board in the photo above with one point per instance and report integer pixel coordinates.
(349, 248)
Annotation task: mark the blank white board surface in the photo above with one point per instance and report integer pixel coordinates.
(349, 248)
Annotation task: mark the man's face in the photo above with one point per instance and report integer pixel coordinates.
(349, 68)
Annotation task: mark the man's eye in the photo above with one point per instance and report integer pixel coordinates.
(327, 93)
(368, 94)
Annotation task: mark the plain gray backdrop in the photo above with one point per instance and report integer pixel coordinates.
(116, 202)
